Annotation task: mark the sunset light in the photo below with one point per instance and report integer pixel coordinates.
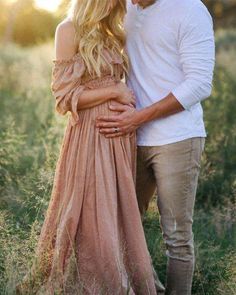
(48, 5)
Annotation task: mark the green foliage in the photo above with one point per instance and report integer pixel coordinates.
(29, 131)
(214, 234)
(218, 175)
(217, 181)
(225, 41)
(16, 251)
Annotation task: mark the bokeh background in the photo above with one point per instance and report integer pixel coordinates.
(31, 134)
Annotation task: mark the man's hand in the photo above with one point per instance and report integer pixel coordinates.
(121, 124)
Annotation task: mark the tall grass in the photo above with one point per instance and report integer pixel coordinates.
(30, 136)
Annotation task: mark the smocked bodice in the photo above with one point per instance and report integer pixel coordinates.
(70, 77)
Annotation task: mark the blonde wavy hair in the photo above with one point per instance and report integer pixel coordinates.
(99, 26)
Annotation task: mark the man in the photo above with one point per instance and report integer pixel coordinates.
(170, 44)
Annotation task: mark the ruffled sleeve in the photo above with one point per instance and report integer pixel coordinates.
(66, 86)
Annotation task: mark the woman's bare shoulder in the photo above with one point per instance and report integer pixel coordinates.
(65, 28)
(65, 40)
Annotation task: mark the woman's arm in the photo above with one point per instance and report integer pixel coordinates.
(65, 49)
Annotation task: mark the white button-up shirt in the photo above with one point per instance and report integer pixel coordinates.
(171, 49)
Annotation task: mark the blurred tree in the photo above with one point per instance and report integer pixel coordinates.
(33, 25)
(223, 12)
(25, 24)
(3, 17)
(63, 8)
(11, 17)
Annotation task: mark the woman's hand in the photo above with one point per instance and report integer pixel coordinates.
(124, 95)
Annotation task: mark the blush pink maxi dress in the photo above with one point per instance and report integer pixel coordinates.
(92, 240)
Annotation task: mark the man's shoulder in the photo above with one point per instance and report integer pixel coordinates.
(187, 4)
(187, 8)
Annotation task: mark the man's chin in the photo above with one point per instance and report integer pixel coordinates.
(144, 3)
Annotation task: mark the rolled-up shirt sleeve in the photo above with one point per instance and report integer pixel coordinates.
(197, 57)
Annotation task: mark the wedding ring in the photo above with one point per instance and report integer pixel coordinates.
(116, 130)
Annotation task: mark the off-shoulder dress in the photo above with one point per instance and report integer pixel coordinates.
(92, 240)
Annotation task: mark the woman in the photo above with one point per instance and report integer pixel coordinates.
(92, 240)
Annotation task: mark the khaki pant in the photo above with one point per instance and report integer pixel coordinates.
(172, 170)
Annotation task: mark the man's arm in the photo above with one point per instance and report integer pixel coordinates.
(197, 56)
(131, 119)
(196, 47)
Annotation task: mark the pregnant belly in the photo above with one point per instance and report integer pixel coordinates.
(103, 109)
